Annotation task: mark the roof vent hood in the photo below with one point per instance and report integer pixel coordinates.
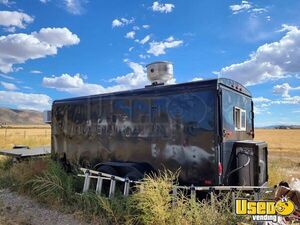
(159, 72)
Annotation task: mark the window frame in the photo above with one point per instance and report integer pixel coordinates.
(240, 117)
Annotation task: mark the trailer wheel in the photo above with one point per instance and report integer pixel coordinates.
(134, 175)
(108, 169)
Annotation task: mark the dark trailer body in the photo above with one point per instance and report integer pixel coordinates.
(205, 128)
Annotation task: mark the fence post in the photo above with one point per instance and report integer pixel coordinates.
(5, 135)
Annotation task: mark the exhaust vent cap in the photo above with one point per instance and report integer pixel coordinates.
(159, 72)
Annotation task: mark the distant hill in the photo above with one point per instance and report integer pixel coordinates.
(284, 127)
(16, 116)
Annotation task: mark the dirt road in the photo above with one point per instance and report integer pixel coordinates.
(20, 210)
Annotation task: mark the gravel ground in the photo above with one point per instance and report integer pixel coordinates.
(20, 210)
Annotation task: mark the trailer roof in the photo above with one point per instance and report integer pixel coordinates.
(172, 87)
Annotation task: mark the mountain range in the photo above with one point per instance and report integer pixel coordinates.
(16, 116)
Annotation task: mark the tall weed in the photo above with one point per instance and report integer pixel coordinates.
(54, 183)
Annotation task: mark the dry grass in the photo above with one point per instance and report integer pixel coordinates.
(284, 146)
(32, 136)
(280, 140)
(284, 153)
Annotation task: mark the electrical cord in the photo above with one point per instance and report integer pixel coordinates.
(237, 169)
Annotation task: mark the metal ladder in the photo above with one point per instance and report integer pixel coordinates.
(100, 177)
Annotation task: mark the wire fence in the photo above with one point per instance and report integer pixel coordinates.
(31, 136)
(37, 132)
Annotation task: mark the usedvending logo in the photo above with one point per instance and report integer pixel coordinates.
(264, 210)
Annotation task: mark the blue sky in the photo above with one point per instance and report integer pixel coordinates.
(51, 49)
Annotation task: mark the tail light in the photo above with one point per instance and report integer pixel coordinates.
(220, 169)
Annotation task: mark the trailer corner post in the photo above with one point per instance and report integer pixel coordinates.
(112, 187)
(87, 180)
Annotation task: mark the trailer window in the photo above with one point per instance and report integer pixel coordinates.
(239, 119)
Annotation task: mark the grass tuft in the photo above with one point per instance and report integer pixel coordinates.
(54, 184)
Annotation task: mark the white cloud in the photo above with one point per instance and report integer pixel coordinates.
(7, 77)
(283, 89)
(142, 56)
(240, 7)
(146, 26)
(116, 23)
(135, 28)
(163, 8)
(44, 1)
(135, 79)
(261, 100)
(12, 19)
(57, 37)
(145, 39)
(130, 49)
(247, 6)
(18, 48)
(121, 22)
(35, 72)
(291, 100)
(71, 84)
(7, 2)
(196, 79)
(25, 101)
(259, 10)
(261, 109)
(9, 86)
(27, 87)
(262, 104)
(64, 81)
(76, 85)
(75, 6)
(158, 48)
(130, 35)
(270, 61)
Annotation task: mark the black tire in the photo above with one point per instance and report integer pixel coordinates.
(108, 169)
(134, 175)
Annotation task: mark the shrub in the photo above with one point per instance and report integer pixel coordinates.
(152, 204)
(54, 183)
(16, 176)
